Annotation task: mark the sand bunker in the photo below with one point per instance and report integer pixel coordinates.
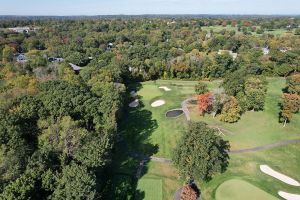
(267, 170)
(289, 196)
(133, 93)
(158, 103)
(134, 104)
(165, 88)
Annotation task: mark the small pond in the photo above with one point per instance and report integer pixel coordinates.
(174, 113)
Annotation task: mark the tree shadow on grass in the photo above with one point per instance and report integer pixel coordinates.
(131, 153)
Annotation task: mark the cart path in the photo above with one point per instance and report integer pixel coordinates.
(265, 147)
(240, 151)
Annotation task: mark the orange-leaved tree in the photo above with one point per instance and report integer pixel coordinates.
(188, 193)
(204, 102)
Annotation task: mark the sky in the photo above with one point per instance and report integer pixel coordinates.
(135, 7)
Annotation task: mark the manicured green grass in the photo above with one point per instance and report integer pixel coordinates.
(246, 166)
(149, 189)
(277, 32)
(149, 131)
(258, 128)
(146, 128)
(236, 189)
(218, 28)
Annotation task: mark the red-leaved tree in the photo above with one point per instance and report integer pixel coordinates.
(204, 102)
(188, 193)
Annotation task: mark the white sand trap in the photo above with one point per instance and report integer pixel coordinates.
(134, 104)
(289, 196)
(268, 170)
(165, 88)
(158, 103)
(133, 93)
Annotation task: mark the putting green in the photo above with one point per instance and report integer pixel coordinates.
(236, 189)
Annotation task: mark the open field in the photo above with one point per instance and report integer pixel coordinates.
(150, 132)
(150, 189)
(246, 167)
(236, 189)
(276, 32)
(257, 128)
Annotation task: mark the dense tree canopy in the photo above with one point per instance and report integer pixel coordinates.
(58, 127)
(201, 153)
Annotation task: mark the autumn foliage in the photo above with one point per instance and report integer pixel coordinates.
(188, 193)
(290, 105)
(204, 102)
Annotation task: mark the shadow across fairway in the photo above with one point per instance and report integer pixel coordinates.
(132, 151)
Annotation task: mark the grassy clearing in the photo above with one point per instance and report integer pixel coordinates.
(258, 128)
(150, 189)
(276, 32)
(235, 189)
(148, 130)
(246, 167)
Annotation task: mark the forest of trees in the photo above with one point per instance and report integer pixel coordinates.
(58, 128)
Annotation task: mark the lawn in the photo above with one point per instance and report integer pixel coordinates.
(246, 167)
(236, 189)
(149, 189)
(257, 128)
(277, 32)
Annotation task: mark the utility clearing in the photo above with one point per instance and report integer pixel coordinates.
(269, 171)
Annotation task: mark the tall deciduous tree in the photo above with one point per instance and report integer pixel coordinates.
(290, 105)
(201, 88)
(231, 111)
(204, 102)
(188, 193)
(200, 154)
(76, 183)
(255, 91)
(293, 83)
(8, 54)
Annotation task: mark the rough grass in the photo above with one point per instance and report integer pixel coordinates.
(236, 189)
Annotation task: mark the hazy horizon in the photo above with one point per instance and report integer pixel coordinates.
(149, 7)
